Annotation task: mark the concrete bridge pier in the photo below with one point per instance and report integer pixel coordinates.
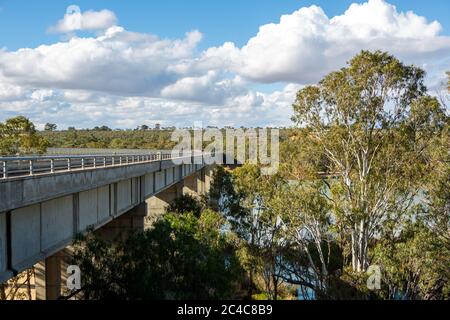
(51, 274)
(121, 227)
(194, 185)
(48, 277)
(199, 183)
(157, 205)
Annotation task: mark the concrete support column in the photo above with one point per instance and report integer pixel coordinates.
(193, 185)
(121, 227)
(48, 278)
(201, 181)
(157, 205)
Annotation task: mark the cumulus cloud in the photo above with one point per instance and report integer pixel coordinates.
(123, 79)
(305, 45)
(210, 88)
(85, 109)
(9, 92)
(119, 62)
(75, 20)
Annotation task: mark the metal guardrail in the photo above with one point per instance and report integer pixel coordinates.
(100, 152)
(13, 167)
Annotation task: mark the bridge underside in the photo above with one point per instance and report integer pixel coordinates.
(39, 233)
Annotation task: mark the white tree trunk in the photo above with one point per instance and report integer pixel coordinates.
(359, 247)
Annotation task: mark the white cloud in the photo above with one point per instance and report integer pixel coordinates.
(307, 44)
(119, 62)
(87, 109)
(42, 95)
(378, 19)
(210, 88)
(124, 79)
(9, 92)
(75, 20)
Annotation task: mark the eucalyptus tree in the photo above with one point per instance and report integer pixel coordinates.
(248, 210)
(242, 196)
(18, 135)
(373, 122)
(309, 255)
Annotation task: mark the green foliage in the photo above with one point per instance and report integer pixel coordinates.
(414, 264)
(302, 157)
(370, 185)
(246, 198)
(222, 191)
(19, 136)
(373, 122)
(312, 255)
(182, 257)
(186, 204)
(102, 128)
(50, 127)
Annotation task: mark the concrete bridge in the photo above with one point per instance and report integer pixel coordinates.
(46, 201)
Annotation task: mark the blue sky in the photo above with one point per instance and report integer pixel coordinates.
(125, 63)
(23, 23)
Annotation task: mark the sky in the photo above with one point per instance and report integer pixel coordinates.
(176, 62)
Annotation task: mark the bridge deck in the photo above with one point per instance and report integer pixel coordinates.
(46, 201)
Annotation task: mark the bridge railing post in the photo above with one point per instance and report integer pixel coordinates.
(31, 168)
(69, 164)
(52, 165)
